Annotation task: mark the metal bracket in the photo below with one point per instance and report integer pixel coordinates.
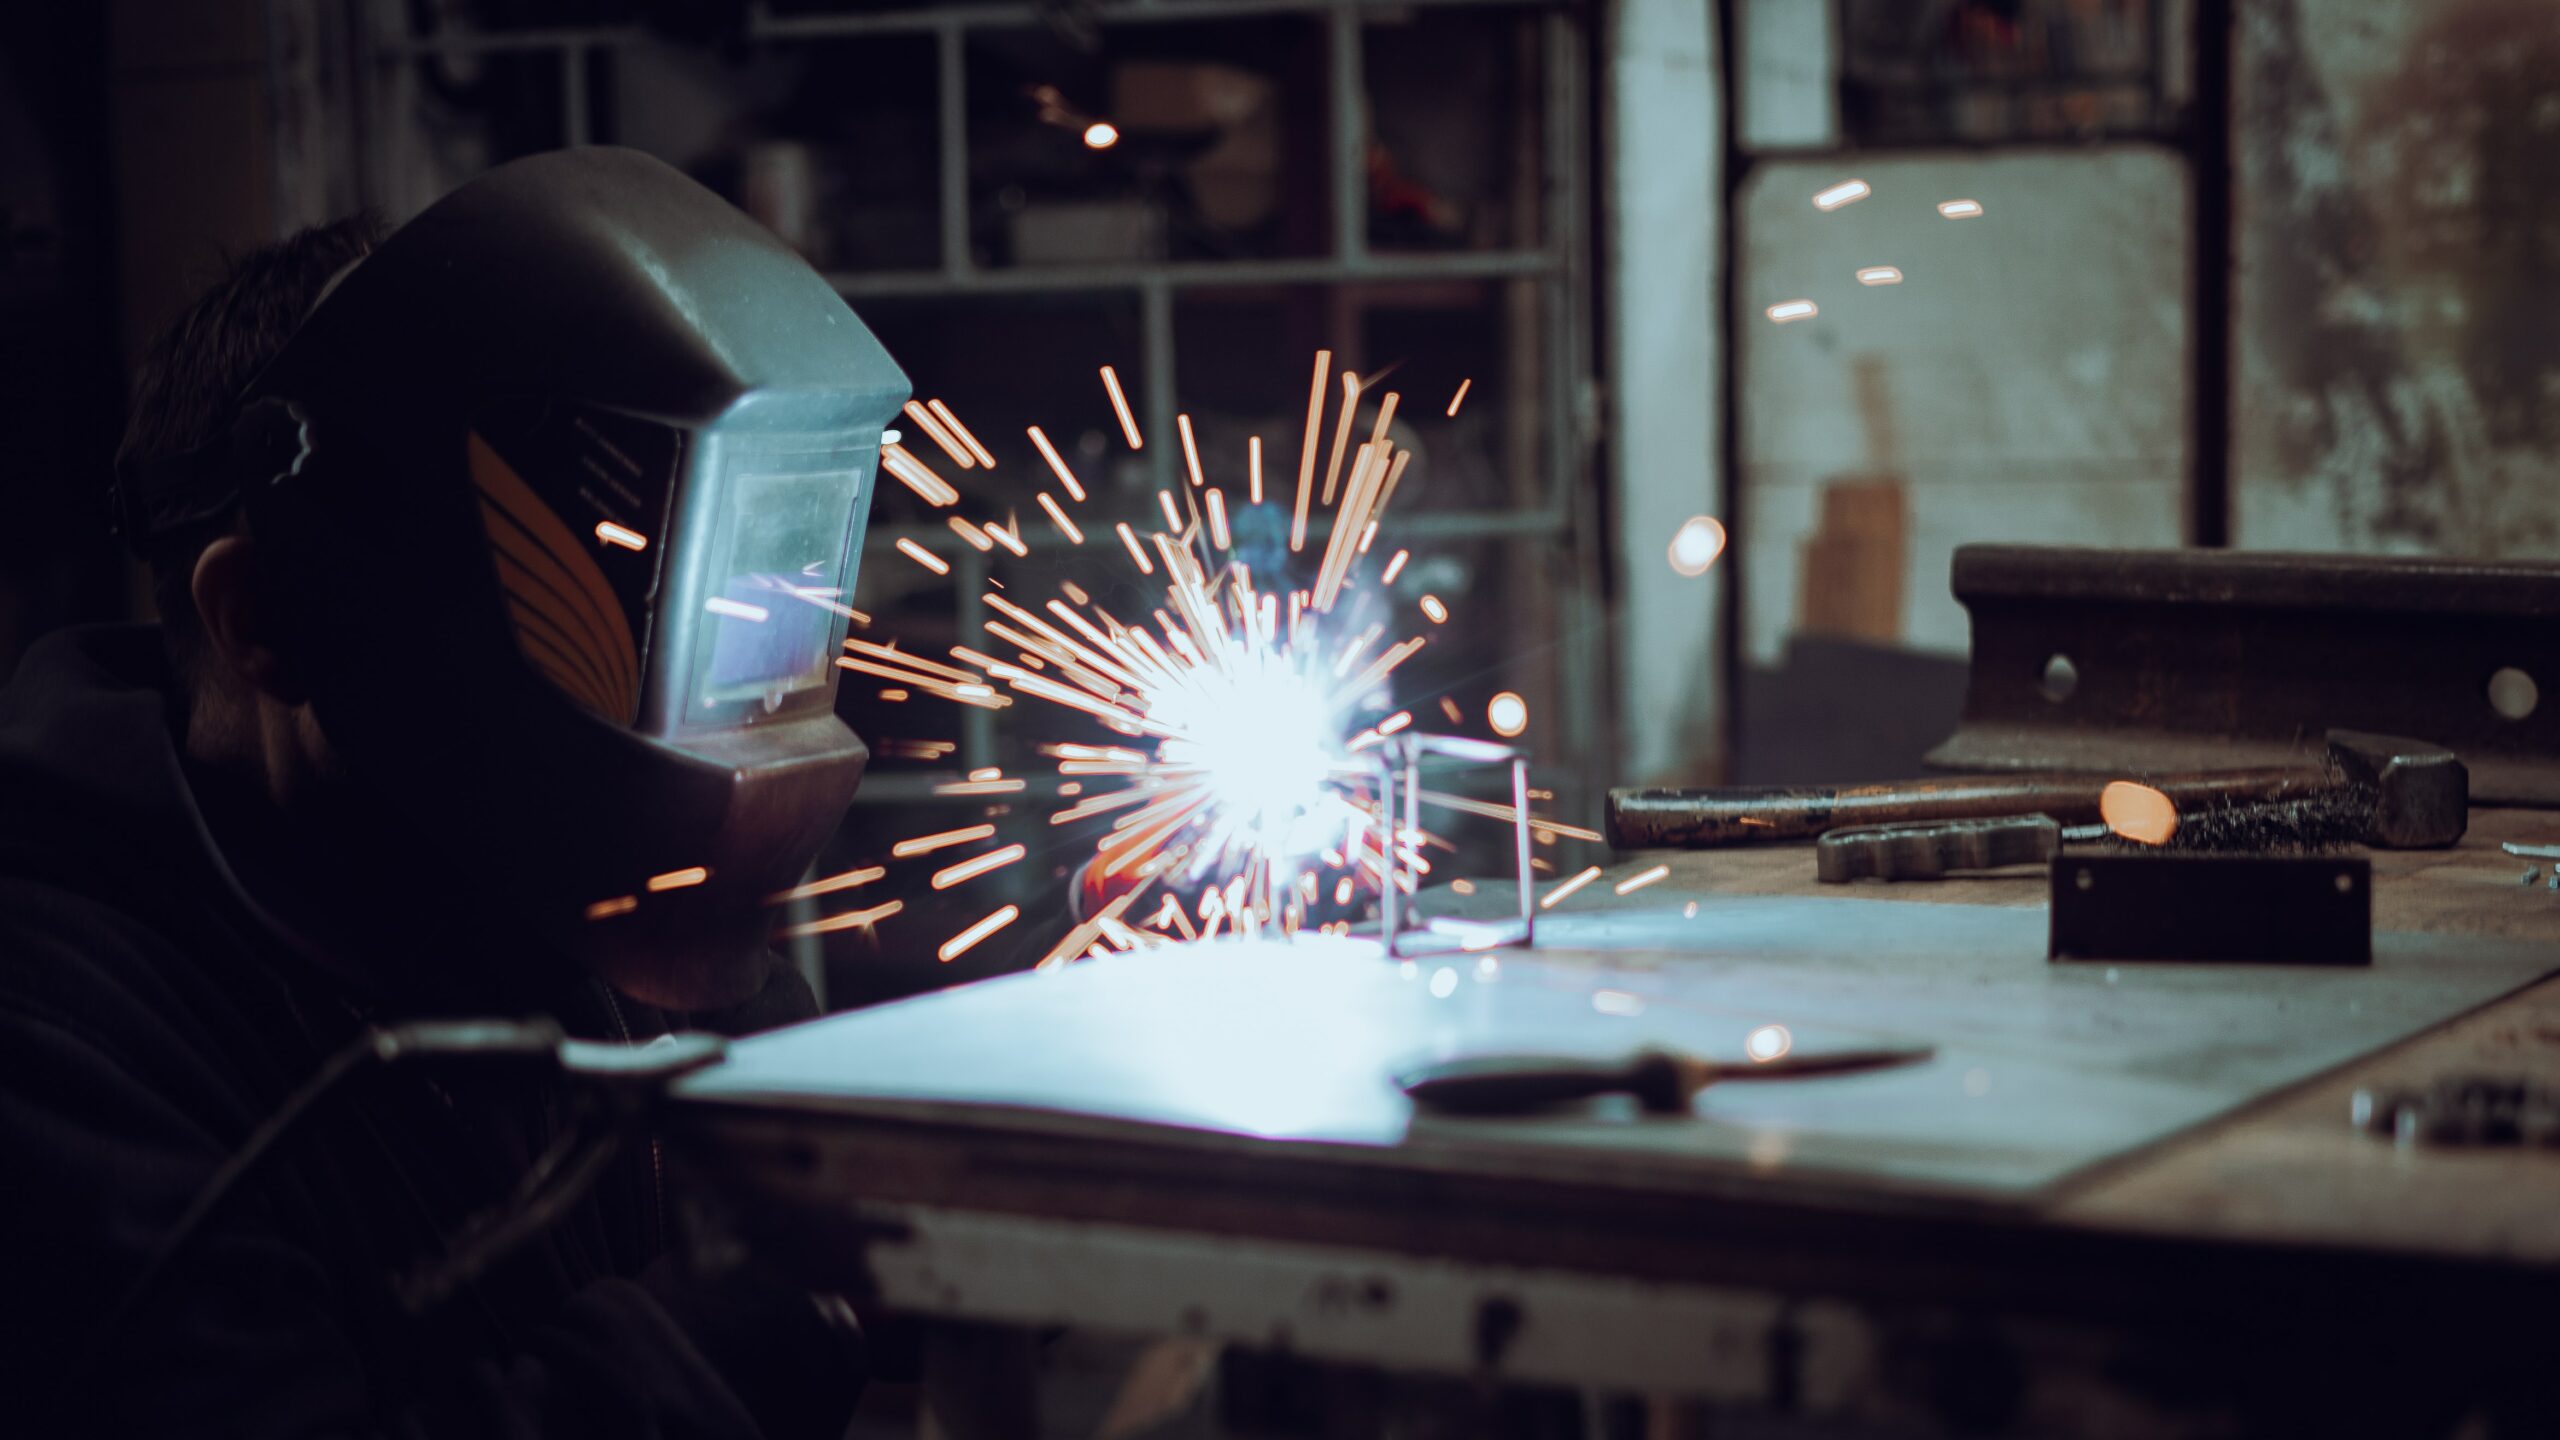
(2138, 661)
(1399, 775)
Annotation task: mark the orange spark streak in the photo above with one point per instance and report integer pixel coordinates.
(971, 869)
(822, 602)
(1129, 538)
(1395, 567)
(679, 879)
(938, 408)
(851, 919)
(1380, 668)
(1449, 708)
(827, 886)
(1005, 537)
(896, 656)
(1460, 398)
(1025, 617)
(1386, 416)
(1172, 517)
(1432, 607)
(1059, 518)
(971, 533)
(926, 844)
(628, 539)
(1637, 882)
(1493, 811)
(980, 787)
(982, 696)
(917, 476)
(1341, 432)
(1395, 722)
(1190, 450)
(959, 944)
(1568, 887)
(1307, 450)
(1120, 404)
(618, 905)
(1218, 518)
(1099, 804)
(926, 421)
(1057, 465)
(1253, 463)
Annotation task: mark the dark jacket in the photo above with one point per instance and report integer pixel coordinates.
(152, 1012)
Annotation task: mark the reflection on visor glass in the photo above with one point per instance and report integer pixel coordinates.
(786, 559)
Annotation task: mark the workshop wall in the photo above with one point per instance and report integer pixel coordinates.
(2398, 205)
(2024, 381)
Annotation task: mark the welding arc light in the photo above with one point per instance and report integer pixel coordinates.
(1101, 135)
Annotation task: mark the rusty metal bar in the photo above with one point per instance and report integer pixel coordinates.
(2130, 661)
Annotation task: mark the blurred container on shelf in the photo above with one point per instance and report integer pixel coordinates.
(1086, 232)
(1235, 181)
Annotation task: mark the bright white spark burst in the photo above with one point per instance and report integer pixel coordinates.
(1239, 710)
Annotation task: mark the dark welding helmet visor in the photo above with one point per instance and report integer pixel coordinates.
(580, 462)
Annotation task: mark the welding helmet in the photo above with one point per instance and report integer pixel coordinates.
(562, 490)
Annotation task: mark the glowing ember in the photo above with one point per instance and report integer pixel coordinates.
(2138, 813)
(1960, 209)
(1696, 544)
(1879, 275)
(627, 538)
(1768, 1042)
(678, 879)
(1101, 135)
(1786, 311)
(1507, 713)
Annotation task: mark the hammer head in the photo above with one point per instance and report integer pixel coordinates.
(2421, 793)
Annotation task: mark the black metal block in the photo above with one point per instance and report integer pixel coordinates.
(2252, 908)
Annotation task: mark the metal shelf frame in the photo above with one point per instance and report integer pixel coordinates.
(1565, 514)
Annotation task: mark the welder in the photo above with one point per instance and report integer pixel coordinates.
(501, 561)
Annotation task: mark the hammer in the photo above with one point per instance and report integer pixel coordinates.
(2404, 795)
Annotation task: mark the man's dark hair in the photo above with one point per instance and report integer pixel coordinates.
(187, 389)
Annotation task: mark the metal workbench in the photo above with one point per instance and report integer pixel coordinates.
(2208, 1245)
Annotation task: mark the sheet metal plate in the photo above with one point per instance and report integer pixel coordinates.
(2041, 1069)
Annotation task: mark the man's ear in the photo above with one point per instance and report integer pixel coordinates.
(238, 619)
